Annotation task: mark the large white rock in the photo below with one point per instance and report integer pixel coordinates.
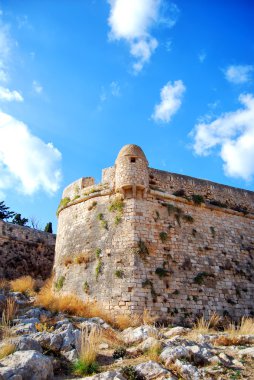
(109, 375)
(26, 365)
(176, 331)
(138, 334)
(152, 370)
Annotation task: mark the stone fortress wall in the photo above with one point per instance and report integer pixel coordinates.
(25, 251)
(145, 238)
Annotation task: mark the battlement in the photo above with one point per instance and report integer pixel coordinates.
(146, 238)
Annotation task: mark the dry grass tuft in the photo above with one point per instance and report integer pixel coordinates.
(154, 352)
(113, 338)
(123, 321)
(82, 259)
(225, 340)
(25, 284)
(147, 318)
(246, 327)
(204, 326)
(6, 349)
(70, 304)
(4, 284)
(8, 314)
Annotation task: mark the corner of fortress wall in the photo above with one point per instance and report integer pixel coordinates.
(153, 249)
(25, 251)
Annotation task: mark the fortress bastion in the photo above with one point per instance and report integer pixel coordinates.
(145, 238)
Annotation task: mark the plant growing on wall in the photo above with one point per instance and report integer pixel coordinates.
(198, 199)
(103, 222)
(86, 287)
(63, 203)
(142, 249)
(117, 206)
(163, 236)
(161, 272)
(119, 273)
(199, 278)
(59, 283)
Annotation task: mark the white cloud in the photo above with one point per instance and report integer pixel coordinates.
(5, 50)
(37, 87)
(239, 74)
(202, 56)
(171, 100)
(115, 89)
(233, 133)
(7, 95)
(27, 163)
(132, 20)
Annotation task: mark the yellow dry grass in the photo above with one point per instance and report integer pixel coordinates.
(8, 314)
(246, 327)
(24, 284)
(89, 344)
(154, 352)
(4, 284)
(71, 304)
(6, 349)
(113, 338)
(147, 318)
(123, 321)
(204, 326)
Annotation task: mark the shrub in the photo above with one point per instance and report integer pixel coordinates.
(86, 287)
(116, 206)
(142, 249)
(92, 206)
(24, 284)
(163, 236)
(179, 193)
(198, 199)
(130, 373)
(98, 268)
(188, 218)
(161, 272)
(218, 203)
(199, 278)
(119, 273)
(119, 352)
(59, 283)
(100, 216)
(63, 203)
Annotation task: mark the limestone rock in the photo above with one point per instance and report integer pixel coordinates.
(179, 330)
(109, 375)
(133, 335)
(188, 371)
(25, 343)
(26, 365)
(152, 370)
(148, 343)
(247, 352)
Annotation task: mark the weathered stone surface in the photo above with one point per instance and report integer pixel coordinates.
(173, 257)
(175, 331)
(25, 343)
(249, 351)
(132, 335)
(29, 365)
(25, 251)
(188, 371)
(152, 370)
(110, 375)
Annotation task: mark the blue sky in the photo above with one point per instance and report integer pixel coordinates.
(80, 79)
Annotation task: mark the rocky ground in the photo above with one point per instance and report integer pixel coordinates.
(45, 345)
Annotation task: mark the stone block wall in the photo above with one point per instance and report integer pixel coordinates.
(165, 254)
(25, 251)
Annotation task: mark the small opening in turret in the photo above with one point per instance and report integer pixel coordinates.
(133, 159)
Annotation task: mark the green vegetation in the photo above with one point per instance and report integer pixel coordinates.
(48, 228)
(104, 223)
(98, 268)
(5, 214)
(59, 283)
(163, 236)
(130, 373)
(116, 206)
(118, 219)
(119, 352)
(161, 272)
(86, 287)
(142, 249)
(212, 229)
(63, 203)
(18, 220)
(198, 199)
(81, 367)
(149, 283)
(218, 203)
(98, 252)
(119, 273)
(199, 278)
(92, 205)
(188, 218)
(179, 193)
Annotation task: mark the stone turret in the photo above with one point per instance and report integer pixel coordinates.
(131, 175)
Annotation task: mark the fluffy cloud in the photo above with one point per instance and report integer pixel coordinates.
(239, 74)
(37, 87)
(26, 162)
(233, 133)
(171, 100)
(132, 20)
(10, 96)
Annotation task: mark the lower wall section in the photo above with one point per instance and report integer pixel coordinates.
(177, 260)
(25, 251)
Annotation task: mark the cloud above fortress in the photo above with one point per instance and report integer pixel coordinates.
(233, 133)
(27, 163)
(132, 21)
